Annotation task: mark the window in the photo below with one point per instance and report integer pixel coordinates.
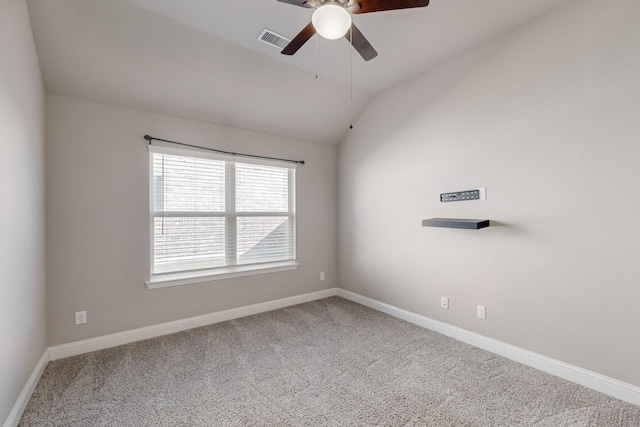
(213, 216)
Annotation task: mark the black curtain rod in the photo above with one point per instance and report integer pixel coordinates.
(150, 138)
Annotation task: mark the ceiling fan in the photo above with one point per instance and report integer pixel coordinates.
(332, 20)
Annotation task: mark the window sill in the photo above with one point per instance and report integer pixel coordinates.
(178, 279)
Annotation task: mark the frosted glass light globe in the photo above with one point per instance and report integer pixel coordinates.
(331, 21)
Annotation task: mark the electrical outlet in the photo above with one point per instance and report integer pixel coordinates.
(81, 317)
(444, 303)
(322, 275)
(482, 193)
(482, 312)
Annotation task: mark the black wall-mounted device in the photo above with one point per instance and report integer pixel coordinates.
(459, 196)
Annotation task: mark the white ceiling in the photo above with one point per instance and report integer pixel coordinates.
(201, 59)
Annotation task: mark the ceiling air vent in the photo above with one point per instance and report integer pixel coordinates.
(273, 39)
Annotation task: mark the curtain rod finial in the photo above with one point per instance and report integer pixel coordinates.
(148, 138)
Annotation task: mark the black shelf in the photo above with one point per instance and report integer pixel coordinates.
(470, 224)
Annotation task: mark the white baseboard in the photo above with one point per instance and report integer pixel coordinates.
(610, 386)
(18, 408)
(112, 340)
(126, 337)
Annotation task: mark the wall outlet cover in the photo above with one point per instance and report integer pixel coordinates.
(482, 312)
(81, 317)
(483, 193)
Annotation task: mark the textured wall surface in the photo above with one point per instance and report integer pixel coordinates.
(545, 117)
(98, 220)
(22, 260)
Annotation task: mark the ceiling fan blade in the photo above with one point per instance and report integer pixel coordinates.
(361, 44)
(367, 6)
(299, 40)
(301, 3)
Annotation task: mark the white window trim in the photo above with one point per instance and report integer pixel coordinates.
(177, 279)
(158, 281)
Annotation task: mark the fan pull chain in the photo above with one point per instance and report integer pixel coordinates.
(317, 55)
(351, 77)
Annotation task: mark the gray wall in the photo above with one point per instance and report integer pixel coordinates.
(98, 220)
(22, 261)
(547, 118)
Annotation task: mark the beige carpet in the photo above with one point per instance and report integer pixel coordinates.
(325, 363)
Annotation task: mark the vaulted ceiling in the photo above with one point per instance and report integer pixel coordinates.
(200, 59)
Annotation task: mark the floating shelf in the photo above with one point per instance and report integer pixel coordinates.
(471, 224)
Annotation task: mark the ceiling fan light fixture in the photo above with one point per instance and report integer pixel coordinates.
(331, 21)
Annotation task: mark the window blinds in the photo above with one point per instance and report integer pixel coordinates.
(210, 211)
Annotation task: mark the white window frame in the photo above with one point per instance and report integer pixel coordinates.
(162, 280)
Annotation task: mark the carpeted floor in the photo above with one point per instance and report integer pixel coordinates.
(329, 362)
